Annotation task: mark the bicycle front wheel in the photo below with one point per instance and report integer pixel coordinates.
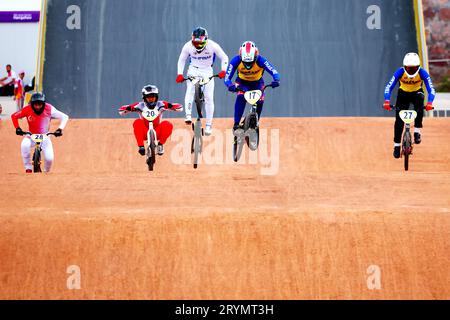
(151, 152)
(197, 142)
(199, 100)
(406, 158)
(238, 144)
(197, 145)
(407, 148)
(37, 160)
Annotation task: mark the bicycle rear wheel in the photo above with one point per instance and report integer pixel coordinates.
(252, 139)
(252, 130)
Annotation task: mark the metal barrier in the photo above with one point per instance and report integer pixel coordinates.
(441, 105)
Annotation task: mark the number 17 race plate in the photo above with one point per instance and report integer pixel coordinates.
(253, 96)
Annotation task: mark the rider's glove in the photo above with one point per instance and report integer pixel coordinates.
(176, 107)
(221, 74)
(180, 78)
(387, 105)
(232, 88)
(429, 106)
(275, 84)
(58, 132)
(19, 131)
(124, 110)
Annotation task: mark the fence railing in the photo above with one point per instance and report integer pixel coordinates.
(441, 105)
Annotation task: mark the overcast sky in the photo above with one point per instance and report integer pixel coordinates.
(20, 5)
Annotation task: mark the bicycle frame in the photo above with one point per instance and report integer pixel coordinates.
(150, 115)
(252, 97)
(199, 84)
(151, 130)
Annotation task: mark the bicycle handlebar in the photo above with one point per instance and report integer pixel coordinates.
(267, 86)
(191, 78)
(262, 90)
(393, 107)
(47, 134)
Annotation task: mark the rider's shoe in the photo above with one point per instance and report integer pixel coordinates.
(417, 138)
(141, 151)
(208, 130)
(160, 149)
(236, 126)
(28, 171)
(188, 119)
(396, 152)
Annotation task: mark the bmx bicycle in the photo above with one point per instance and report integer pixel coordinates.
(197, 140)
(407, 116)
(38, 139)
(248, 130)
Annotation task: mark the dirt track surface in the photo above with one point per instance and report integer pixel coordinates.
(337, 204)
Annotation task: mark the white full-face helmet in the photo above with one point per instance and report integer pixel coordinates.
(411, 64)
(248, 53)
(150, 92)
